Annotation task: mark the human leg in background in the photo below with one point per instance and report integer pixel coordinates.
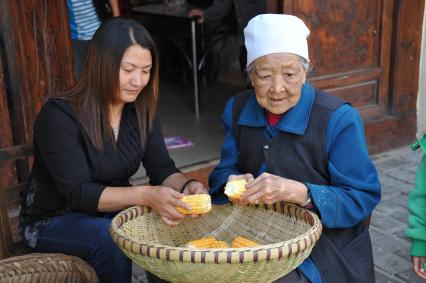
(243, 67)
(79, 49)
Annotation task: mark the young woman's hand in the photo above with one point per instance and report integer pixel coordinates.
(163, 200)
(195, 187)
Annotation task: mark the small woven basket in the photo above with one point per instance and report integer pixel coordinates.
(287, 234)
(48, 267)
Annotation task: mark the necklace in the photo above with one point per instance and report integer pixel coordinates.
(115, 131)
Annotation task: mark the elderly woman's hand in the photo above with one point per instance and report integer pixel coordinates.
(248, 177)
(269, 189)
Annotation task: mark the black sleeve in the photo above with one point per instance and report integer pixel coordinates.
(157, 162)
(57, 137)
(218, 10)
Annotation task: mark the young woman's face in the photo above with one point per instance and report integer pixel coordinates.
(277, 80)
(135, 71)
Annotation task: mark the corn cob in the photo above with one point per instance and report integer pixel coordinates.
(219, 245)
(234, 189)
(199, 203)
(203, 243)
(241, 242)
(207, 243)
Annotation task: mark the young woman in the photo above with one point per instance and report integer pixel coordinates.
(88, 142)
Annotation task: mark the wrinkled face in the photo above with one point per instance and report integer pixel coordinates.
(135, 70)
(277, 80)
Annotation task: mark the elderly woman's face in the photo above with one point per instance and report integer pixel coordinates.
(277, 80)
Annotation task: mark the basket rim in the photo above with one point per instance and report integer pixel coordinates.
(225, 255)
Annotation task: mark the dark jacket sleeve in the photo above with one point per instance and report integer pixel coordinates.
(57, 140)
(156, 161)
(218, 10)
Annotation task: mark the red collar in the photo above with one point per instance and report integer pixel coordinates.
(273, 119)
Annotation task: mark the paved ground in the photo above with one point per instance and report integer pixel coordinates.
(391, 249)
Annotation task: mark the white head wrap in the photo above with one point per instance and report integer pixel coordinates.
(275, 33)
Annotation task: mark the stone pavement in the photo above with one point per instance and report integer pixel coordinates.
(391, 249)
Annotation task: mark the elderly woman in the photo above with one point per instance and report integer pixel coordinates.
(297, 144)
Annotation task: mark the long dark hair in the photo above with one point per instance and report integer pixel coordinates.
(99, 84)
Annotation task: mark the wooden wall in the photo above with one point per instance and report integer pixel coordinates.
(35, 60)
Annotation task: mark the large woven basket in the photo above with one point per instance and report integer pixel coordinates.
(287, 234)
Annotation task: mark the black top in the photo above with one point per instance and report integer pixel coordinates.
(69, 174)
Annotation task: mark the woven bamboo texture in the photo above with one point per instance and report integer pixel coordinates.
(287, 234)
(42, 268)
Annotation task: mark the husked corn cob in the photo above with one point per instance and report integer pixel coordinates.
(219, 245)
(205, 243)
(234, 189)
(241, 242)
(199, 203)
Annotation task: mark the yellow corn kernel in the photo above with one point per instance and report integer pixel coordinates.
(219, 245)
(205, 243)
(234, 189)
(241, 242)
(199, 203)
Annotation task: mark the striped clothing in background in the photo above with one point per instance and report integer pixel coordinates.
(83, 19)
